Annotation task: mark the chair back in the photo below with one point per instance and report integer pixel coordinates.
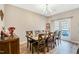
(41, 46)
(29, 33)
(41, 36)
(41, 40)
(50, 37)
(57, 34)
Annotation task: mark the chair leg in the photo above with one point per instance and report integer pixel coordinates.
(27, 44)
(47, 49)
(37, 50)
(44, 50)
(51, 46)
(32, 50)
(58, 42)
(54, 44)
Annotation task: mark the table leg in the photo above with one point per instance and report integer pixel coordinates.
(30, 46)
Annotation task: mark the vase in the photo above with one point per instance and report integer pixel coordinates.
(2, 36)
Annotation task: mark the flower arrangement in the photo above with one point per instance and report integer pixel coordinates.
(11, 30)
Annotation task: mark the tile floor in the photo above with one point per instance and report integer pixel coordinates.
(63, 48)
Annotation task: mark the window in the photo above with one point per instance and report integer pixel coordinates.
(64, 26)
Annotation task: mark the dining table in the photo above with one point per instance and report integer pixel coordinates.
(35, 39)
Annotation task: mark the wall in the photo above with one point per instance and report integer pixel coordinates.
(2, 7)
(23, 20)
(74, 22)
(1, 23)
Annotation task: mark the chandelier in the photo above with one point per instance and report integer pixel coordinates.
(46, 9)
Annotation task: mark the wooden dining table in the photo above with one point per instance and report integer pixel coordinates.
(35, 39)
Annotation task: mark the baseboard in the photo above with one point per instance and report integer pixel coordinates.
(71, 41)
(74, 42)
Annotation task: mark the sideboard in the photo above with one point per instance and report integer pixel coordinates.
(9, 46)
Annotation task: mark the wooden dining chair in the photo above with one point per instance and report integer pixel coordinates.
(50, 41)
(29, 34)
(39, 46)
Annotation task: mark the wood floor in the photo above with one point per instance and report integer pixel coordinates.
(63, 48)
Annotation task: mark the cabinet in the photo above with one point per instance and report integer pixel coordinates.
(10, 46)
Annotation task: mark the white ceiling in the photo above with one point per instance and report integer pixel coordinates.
(54, 8)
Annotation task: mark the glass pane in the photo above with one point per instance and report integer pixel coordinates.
(56, 23)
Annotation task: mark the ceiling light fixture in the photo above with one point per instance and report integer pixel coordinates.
(47, 9)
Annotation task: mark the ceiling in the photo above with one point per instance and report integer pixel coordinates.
(52, 8)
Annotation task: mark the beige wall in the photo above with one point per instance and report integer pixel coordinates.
(23, 20)
(2, 7)
(74, 22)
(1, 23)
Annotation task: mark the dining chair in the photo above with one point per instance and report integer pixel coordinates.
(39, 46)
(57, 37)
(77, 51)
(29, 34)
(50, 41)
